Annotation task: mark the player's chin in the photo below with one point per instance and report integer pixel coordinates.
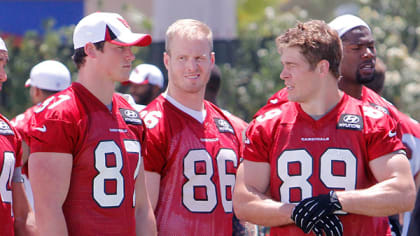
(364, 78)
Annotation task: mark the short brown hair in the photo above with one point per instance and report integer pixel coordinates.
(317, 41)
(79, 54)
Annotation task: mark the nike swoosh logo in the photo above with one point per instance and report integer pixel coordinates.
(43, 129)
(392, 134)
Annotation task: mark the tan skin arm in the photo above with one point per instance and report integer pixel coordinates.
(153, 185)
(22, 211)
(394, 192)
(249, 200)
(145, 218)
(50, 180)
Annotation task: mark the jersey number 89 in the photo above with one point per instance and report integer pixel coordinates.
(327, 177)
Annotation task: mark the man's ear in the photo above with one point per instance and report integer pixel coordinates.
(90, 50)
(323, 67)
(166, 59)
(37, 91)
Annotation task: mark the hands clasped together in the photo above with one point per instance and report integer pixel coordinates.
(319, 215)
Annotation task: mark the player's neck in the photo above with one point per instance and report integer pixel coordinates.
(194, 101)
(353, 89)
(322, 104)
(101, 88)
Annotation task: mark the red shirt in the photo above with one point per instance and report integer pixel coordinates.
(22, 124)
(310, 157)
(408, 129)
(10, 158)
(197, 163)
(105, 146)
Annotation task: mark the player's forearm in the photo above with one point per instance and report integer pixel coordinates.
(25, 226)
(389, 197)
(50, 222)
(145, 222)
(257, 209)
(24, 223)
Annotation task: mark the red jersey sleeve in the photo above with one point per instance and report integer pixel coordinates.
(19, 151)
(54, 130)
(381, 133)
(258, 138)
(154, 158)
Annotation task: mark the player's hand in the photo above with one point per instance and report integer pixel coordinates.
(330, 225)
(310, 210)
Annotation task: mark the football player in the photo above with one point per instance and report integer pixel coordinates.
(46, 78)
(321, 153)
(357, 70)
(212, 91)
(87, 142)
(192, 147)
(16, 218)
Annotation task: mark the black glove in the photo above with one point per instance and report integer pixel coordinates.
(307, 213)
(330, 224)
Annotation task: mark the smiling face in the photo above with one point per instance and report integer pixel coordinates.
(4, 57)
(189, 61)
(359, 56)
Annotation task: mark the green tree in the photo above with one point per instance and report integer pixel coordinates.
(396, 27)
(255, 76)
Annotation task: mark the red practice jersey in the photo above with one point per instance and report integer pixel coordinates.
(197, 163)
(276, 99)
(10, 158)
(408, 129)
(105, 146)
(311, 157)
(22, 122)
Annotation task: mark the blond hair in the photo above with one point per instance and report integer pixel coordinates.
(189, 29)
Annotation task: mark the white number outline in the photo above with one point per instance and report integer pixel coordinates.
(103, 199)
(325, 173)
(6, 176)
(269, 115)
(151, 118)
(225, 179)
(46, 103)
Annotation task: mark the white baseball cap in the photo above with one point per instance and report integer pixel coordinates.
(50, 75)
(106, 26)
(343, 24)
(2, 45)
(146, 74)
